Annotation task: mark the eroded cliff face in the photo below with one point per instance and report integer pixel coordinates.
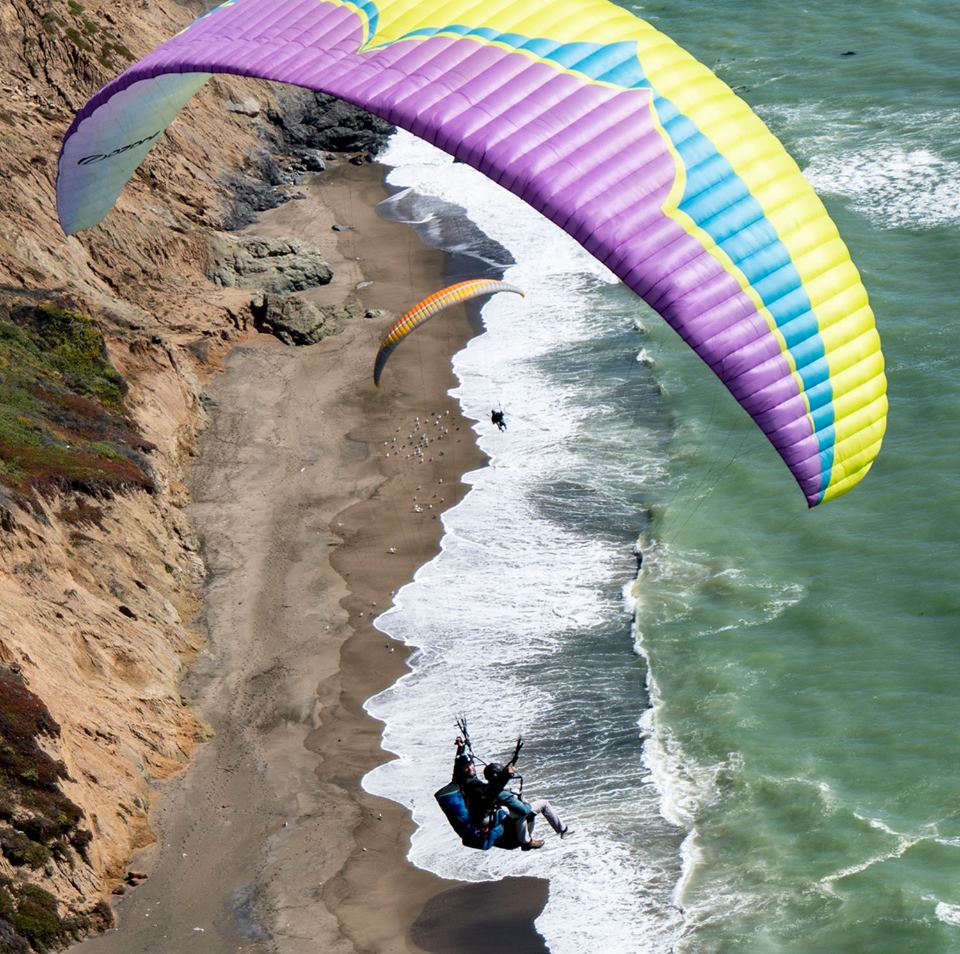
(99, 569)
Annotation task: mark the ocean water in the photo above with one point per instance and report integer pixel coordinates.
(757, 738)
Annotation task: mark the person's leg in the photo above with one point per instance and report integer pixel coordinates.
(525, 833)
(542, 806)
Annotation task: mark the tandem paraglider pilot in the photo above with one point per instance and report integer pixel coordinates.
(485, 813)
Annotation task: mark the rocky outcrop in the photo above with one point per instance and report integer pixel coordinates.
(296, 321)
(310, 124)
(278, 268)
(273, 265)
(301, 129)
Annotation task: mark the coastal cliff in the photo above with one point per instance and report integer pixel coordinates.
(106, 342)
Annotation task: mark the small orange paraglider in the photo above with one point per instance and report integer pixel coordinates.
(430, 306)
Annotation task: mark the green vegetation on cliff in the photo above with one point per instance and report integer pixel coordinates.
(63, 422)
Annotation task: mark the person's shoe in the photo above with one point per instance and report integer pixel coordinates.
(565, 831)
(533, 843)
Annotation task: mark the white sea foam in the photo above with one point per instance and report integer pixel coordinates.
(889, 163)
(681, 792)
(948, 913)
(513, 591)
(692, 859)
(901, 844)
(893, 186)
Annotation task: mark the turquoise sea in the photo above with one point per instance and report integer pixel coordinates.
(757, 738)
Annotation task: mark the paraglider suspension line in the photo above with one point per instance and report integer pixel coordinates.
(468, 745)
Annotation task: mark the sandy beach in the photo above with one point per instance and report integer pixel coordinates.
(306, 493)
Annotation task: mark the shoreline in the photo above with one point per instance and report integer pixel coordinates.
(293, 464)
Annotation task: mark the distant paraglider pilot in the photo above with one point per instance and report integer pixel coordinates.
(497, 417)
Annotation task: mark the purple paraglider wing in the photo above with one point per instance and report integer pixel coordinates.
(611, 130)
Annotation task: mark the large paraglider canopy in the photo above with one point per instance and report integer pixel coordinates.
(430, 306)
(608, 128)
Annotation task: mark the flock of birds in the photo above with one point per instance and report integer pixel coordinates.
(419, 445)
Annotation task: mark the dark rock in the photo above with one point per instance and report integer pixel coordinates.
(200, 349)
(320, 121)
(303, 130)
(307, 160)
(295, 321)
(261, 188)
(249, 197)
(267, 168)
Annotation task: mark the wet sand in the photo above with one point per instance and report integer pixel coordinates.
(267, 843)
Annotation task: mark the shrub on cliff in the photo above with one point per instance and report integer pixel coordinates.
(63, 420)
(31, 802)
(37, 824)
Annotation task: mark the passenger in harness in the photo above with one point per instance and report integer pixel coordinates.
(486, 813)
(470, 804)
(523, 814)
